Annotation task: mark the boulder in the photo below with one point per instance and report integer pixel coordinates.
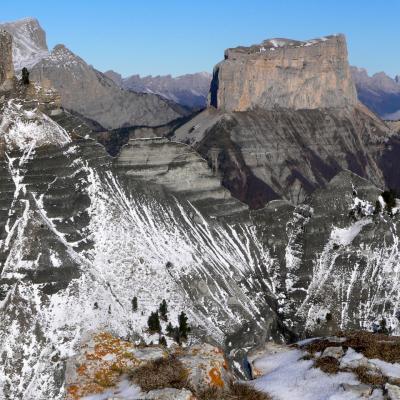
(361, 390)
(333, 351)
(393, 391)
(206, 367)
(169, 394)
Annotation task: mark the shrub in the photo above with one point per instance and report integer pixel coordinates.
(159, 374)
(329, 365)
(162, 341)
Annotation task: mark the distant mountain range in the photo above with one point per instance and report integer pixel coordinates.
(189, 90)
(378, 92)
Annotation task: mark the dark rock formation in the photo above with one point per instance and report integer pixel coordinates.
(284, 73)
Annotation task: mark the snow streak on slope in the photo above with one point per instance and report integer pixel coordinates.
(134, 246)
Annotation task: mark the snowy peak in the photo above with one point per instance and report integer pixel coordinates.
(29, 42)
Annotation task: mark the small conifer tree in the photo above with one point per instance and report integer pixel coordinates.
(134, 304)
(378, 207)
(169, 329)
(25, 76)
(162, 341)
(163, 309)
(154, 322)
(183, 325)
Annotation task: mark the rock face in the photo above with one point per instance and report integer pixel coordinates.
(81, 230)
(284, 73)
(284, 120)
(6, 64)
(378, 92)
(91, 94)
(29, 42)
(189, 90)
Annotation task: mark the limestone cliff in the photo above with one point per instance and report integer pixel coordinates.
(6, 65)
(284, 73)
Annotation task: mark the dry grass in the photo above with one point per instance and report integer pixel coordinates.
(365, 376)
(319, 346)
(160, 373)
(329, 365)
(374, 345)
(234, 392)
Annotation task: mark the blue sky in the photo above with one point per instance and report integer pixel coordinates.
(182, 36)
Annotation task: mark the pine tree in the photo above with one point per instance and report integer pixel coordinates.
(378, 207)
(25, 76)
(162, 341)
(134, 304)
(154, 322)
(183, 325)
(169, 329)
(163, 310)
(3, 293)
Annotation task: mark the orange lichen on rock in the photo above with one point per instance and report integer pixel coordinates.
(215, 376)
(104, 361)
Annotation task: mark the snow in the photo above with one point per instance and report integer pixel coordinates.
(388, 369)
(124, 391)
(288, 378)
(344, 236)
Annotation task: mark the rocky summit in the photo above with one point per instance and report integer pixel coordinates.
(284, 73)
(144, 274)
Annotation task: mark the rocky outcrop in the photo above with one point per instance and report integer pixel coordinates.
(93, 95)
(29, 42)
(263, 155)
(378, 92)
(6, 65)
(284, 73)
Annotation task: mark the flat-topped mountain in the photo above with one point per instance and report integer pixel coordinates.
(284, 73)
(284, 119)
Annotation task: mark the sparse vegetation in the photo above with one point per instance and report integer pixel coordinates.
(235, 391)
(329, 365)
(160, 373)
(367, 377)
